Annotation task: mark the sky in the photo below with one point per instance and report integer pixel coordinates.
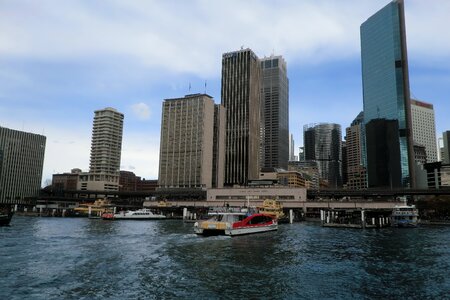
(60, 60)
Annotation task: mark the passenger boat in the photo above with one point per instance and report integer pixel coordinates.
(5, 216)
(235, 223)
(273, 208)
(141, 214)
(404, 216)
(94, 210)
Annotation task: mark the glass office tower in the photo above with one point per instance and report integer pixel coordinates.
(241, 97)
(275, 113)
(387, 110)
(323, 144)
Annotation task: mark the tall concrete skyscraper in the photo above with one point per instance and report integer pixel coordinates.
(21, 165)
(241, 94)
(291, 148)
(192, 141)
(106, 150)
(424, 128)
(387, 108)
(323, 144)
(275, 112)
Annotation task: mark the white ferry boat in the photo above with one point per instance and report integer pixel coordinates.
(141, 214)
(235, 223)
(404, 216)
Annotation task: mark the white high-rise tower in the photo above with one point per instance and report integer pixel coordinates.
(424, 128)
(106, 148)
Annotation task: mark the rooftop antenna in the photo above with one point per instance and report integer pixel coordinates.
(205, 86)
(189, 87)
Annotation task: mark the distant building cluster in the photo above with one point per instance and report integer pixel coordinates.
(245, 140)
(387, 145)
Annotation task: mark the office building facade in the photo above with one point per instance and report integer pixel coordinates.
(106, 150)
(323, 144)
(21, 165)
(386, 98)
(291, 148)
(241, 97)
(424, 128)
(187, 143)
(446, 147)
(275, 113)
(356, 171)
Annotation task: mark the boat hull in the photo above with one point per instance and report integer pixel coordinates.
(404, 223)
(5, 219)
(250, 230)
(235, 231)
(139, 219)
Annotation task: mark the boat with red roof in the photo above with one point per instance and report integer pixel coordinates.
(235, 223)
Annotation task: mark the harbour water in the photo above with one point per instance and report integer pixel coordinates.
(64, 258)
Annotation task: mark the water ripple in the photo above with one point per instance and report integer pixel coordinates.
(54, 258)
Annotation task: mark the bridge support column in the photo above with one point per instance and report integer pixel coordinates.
(363, 219)
(89, 211)
(291, 216)
(185, 211)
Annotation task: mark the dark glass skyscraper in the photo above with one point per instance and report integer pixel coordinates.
(241, 94)
(323, 145)
(275, 113)
(386, 98)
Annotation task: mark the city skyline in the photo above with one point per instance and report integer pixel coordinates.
(51, 84)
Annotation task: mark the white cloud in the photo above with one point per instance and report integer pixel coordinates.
(191, 36)
(141, 111)
(141, 150)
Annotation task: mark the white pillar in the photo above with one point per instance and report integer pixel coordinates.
(321, 215)
(291, 216)
(363, 222)
(89, 211)
(114, 209)
(64, 213)
(25, 209)
(195, 216)
(53, 212)
(373, 221)
(15, 207)
(185, 213)
(40, 210)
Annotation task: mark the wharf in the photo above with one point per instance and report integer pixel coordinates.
(355, 218)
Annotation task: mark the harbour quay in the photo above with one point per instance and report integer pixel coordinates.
(344, 206)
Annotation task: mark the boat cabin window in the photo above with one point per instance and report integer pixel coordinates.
(259, 220)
